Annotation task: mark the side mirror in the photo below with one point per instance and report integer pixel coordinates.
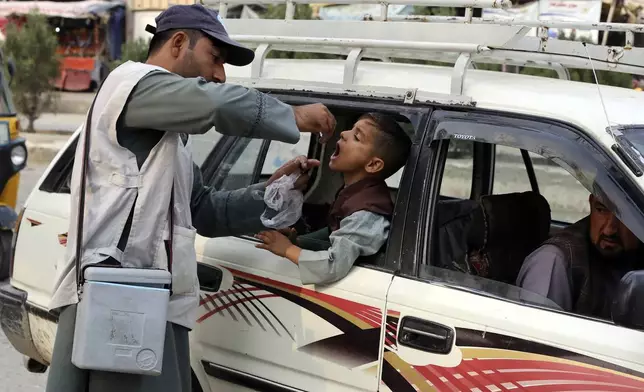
(628, 303)
(11, 67)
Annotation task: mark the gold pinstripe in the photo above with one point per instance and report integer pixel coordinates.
(409, 373)
(346, 315)
(482, 353)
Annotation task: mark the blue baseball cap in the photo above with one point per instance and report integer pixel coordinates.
(198, 17)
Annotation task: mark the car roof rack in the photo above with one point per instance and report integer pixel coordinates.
(462, 41)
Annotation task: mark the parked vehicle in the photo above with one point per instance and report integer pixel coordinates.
(13, 158)
(89, 34)
(407, 319)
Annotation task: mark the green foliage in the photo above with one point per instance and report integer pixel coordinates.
(438, 11)
(32, 47)
(302, 11)
(132, 51)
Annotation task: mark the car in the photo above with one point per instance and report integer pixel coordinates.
(13, 158)
(419, 315)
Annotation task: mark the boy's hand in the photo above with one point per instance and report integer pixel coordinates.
(274, 242)
(290, 233)
(315, 118)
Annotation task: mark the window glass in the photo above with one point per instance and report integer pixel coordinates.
(59, 177)
(457, 175)
(481, 247)
(202, 145)
(6, 105)
(510, 173)
(568, 199)
(481, 250)
(484, 286)
(237, 169)
(394, 180)
(279, 153)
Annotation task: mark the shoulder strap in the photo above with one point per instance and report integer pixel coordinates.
(81, 202)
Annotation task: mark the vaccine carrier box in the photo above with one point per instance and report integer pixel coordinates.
(121, 320)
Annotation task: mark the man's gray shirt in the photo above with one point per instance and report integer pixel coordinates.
(544, 272)
(166, 102)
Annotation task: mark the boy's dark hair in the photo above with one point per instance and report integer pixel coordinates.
(159, 39)
(392, 144)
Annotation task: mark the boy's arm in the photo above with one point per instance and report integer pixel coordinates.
(362, 233)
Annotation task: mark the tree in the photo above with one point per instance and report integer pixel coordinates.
(133, 51)
(302, 11)
(32, 46)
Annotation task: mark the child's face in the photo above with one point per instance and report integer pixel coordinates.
(354, 152)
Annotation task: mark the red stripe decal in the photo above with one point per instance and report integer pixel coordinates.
(229, 304)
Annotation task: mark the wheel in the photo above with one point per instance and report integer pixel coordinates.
(6, 237)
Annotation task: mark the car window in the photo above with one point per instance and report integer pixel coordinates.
(279, 153)
(237, 170)
(58, 179)
(203, 144)
(393, 181)
(459, 166)
(468, 250)
(568, 199)
(510, 173)
(480, 245)
(239, 167)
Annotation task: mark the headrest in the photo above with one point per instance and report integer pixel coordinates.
(514, 218)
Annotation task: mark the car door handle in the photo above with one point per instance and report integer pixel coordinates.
(425, 335)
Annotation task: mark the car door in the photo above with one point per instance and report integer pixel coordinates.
(450, 329)
(261, 328)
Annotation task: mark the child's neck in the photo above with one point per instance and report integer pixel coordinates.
(352, 178)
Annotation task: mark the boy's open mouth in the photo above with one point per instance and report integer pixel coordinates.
(337, 151)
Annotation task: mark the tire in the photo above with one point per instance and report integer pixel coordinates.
(6, 237)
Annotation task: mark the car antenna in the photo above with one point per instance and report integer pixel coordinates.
(601, 98)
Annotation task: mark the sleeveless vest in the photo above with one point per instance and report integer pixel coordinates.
(369, 194)
(116, 186)
(594, 279)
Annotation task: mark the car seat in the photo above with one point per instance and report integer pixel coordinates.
(505, 229)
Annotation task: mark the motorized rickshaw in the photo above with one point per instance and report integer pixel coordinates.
(13, 158)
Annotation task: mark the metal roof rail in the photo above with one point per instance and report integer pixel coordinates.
(469, 5)
(629, 28)
(461, 45)
(460, 41)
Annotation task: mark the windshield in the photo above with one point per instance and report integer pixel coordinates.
(6, 103)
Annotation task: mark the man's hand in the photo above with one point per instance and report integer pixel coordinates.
(315, 118)
(301, 164)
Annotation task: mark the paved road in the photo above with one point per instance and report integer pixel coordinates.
(13, 375)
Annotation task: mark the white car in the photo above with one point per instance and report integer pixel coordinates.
(410, 318)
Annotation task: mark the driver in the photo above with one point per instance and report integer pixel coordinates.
(580, 267)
